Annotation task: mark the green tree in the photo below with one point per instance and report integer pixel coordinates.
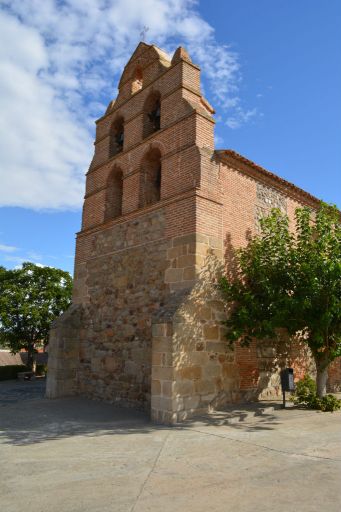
(31, 297)
(290, 280)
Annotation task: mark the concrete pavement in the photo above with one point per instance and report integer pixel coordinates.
(77, 455)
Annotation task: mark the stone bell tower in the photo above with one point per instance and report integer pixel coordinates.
(129, 336)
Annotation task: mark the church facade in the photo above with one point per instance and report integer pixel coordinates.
(163, 211)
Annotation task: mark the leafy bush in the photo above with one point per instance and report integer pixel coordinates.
(329, 403)
(305, 391)
(10, 371)
(305, 395)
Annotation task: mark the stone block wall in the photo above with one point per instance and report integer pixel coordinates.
(125, 280)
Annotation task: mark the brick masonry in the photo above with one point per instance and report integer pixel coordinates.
(145, 326)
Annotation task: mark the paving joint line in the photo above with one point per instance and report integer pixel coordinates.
(150, 472)
(266, 447)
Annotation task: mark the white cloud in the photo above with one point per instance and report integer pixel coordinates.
(240, 117)
(33, 255)
(19, 263)
(17, 260)
(44, 149)
(218, 141)
(15, 255)
(7, 248)
(59, 62)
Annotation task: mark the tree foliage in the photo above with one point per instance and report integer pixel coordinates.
(31, 297)
(290, 280)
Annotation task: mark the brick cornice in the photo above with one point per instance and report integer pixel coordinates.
(192, 192)
(177, 88)
(147, 139)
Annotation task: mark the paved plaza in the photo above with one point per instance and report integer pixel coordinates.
(78, 455)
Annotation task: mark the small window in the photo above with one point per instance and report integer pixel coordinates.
(151, 178)
(114, 194)
(152, 114)
(116, 137)
(137, 83)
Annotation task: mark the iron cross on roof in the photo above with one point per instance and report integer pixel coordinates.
(143, 32)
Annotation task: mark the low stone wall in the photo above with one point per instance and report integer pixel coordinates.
(7, 358)
(65, 336)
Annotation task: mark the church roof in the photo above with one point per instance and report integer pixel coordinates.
(255, 170)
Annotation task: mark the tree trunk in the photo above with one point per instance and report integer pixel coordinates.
(321, 379)
(30, 358)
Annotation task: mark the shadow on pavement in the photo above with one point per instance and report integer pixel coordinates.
(28, 418)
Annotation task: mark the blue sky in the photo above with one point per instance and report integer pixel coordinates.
(271, 68)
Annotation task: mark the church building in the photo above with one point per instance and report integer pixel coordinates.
(163, 212)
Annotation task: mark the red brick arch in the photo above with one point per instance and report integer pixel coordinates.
(116, 136)
(151, 176)
(114, 194)
(152, 113)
